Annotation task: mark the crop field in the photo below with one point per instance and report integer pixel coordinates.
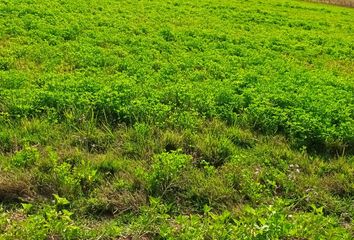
(176, 119)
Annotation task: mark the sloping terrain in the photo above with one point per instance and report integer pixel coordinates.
(176, 120)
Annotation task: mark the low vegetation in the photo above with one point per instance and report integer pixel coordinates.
(176, 120)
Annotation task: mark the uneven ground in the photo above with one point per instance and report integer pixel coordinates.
(182, 119)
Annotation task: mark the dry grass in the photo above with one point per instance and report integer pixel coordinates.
(347, 3)
(14, 188)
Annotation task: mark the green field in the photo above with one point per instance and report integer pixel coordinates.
(180, 119)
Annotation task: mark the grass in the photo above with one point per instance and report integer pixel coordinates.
(176, 120)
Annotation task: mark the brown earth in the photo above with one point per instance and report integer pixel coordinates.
(347, 3)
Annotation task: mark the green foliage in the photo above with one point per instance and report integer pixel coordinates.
(6, 144)
(69, 178)
(46, 222)
(208, 186)
(176, 120)
(26, 157)
(166, 170)
(178, 76)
